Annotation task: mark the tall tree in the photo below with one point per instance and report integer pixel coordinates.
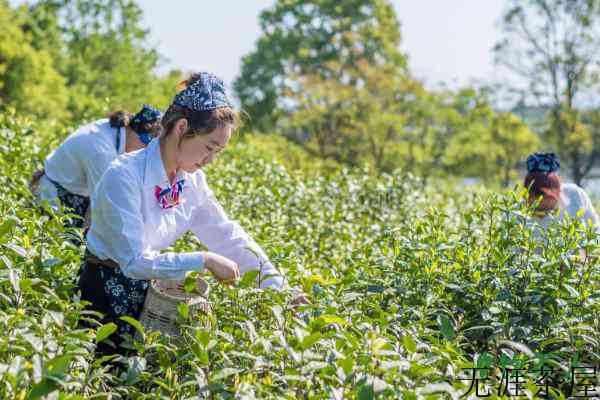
(436, 120)
(304, 37)
(356, 122)
(513, 141)
(102, 51)
(29, 81)
(554, 47)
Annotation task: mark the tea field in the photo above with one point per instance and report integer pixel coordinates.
(412, 288)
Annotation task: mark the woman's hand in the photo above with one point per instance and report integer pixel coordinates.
(222, 268)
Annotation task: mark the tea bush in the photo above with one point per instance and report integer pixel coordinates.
(410, 285)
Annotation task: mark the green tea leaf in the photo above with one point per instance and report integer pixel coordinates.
(333, 319)
(409, 344)
(135, 323)
(248, 280)
(7, 226)
(41, 389)
(136, 365)
(446, 326)
(484, 360)
(105, 331)
(365, 392)
(59, 366)
(183, 309)
(225, 372)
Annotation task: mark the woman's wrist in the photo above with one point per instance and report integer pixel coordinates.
(206, 264)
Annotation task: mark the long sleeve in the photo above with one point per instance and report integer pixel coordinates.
(96, 165)
(103, 156)
(118, 232)
(225, 237)
(590, 215)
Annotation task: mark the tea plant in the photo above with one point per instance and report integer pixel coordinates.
(410, 286)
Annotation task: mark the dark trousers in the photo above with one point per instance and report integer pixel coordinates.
(114, 295)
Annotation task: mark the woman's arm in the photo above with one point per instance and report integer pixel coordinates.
(590, 216)
(96, 164)
(225, 237)
(118, 231)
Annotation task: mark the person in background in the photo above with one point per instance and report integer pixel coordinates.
(72, 171)
(545, 187)
(552, 199)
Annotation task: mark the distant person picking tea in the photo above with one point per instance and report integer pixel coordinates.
(549, 195)
(72, 171)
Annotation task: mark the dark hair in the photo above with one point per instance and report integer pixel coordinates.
(119, 119)
(123, 119)
(537, 181)
(199, 122)
(141, 127)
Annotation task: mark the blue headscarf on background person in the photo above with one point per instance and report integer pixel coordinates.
(543, 162)
(142, 122)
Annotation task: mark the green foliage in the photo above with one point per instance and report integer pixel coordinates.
(77, 59)
(329, 77)
(278, 148)
(409, 285)
(489, 144)
(552, 47)
(28, 79)
(390, 121)
(300, 37)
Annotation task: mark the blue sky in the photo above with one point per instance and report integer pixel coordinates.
(446, 40)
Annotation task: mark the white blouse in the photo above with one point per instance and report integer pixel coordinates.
(572, 199)
(130, 227)
(79, 162)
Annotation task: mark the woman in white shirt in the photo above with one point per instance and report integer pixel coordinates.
(548, 193)
(72, 171)
(148, 199)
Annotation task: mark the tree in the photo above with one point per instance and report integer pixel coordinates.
(388, 120)
(554, 47)
(323, 118)
(102, 51)
(513, 142)
(28, 80)
(484, 143)
(308, 37)
(436, 118)
(357, 122)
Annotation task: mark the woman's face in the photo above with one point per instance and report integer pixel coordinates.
(199, 151)
(548, 201)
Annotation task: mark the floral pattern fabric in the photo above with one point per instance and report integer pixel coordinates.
(106, 290)
(169, 196)
(543, 162)
(124, 296)
(142, 122)
(206, 94)
(78, 205)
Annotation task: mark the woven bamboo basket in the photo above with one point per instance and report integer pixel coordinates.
(160, 307)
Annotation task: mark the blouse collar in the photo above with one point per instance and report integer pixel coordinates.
(154, 169)
(122, 140)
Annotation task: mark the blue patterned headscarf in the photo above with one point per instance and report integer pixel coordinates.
(543, 162)
(142, 121)
(205, 94)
